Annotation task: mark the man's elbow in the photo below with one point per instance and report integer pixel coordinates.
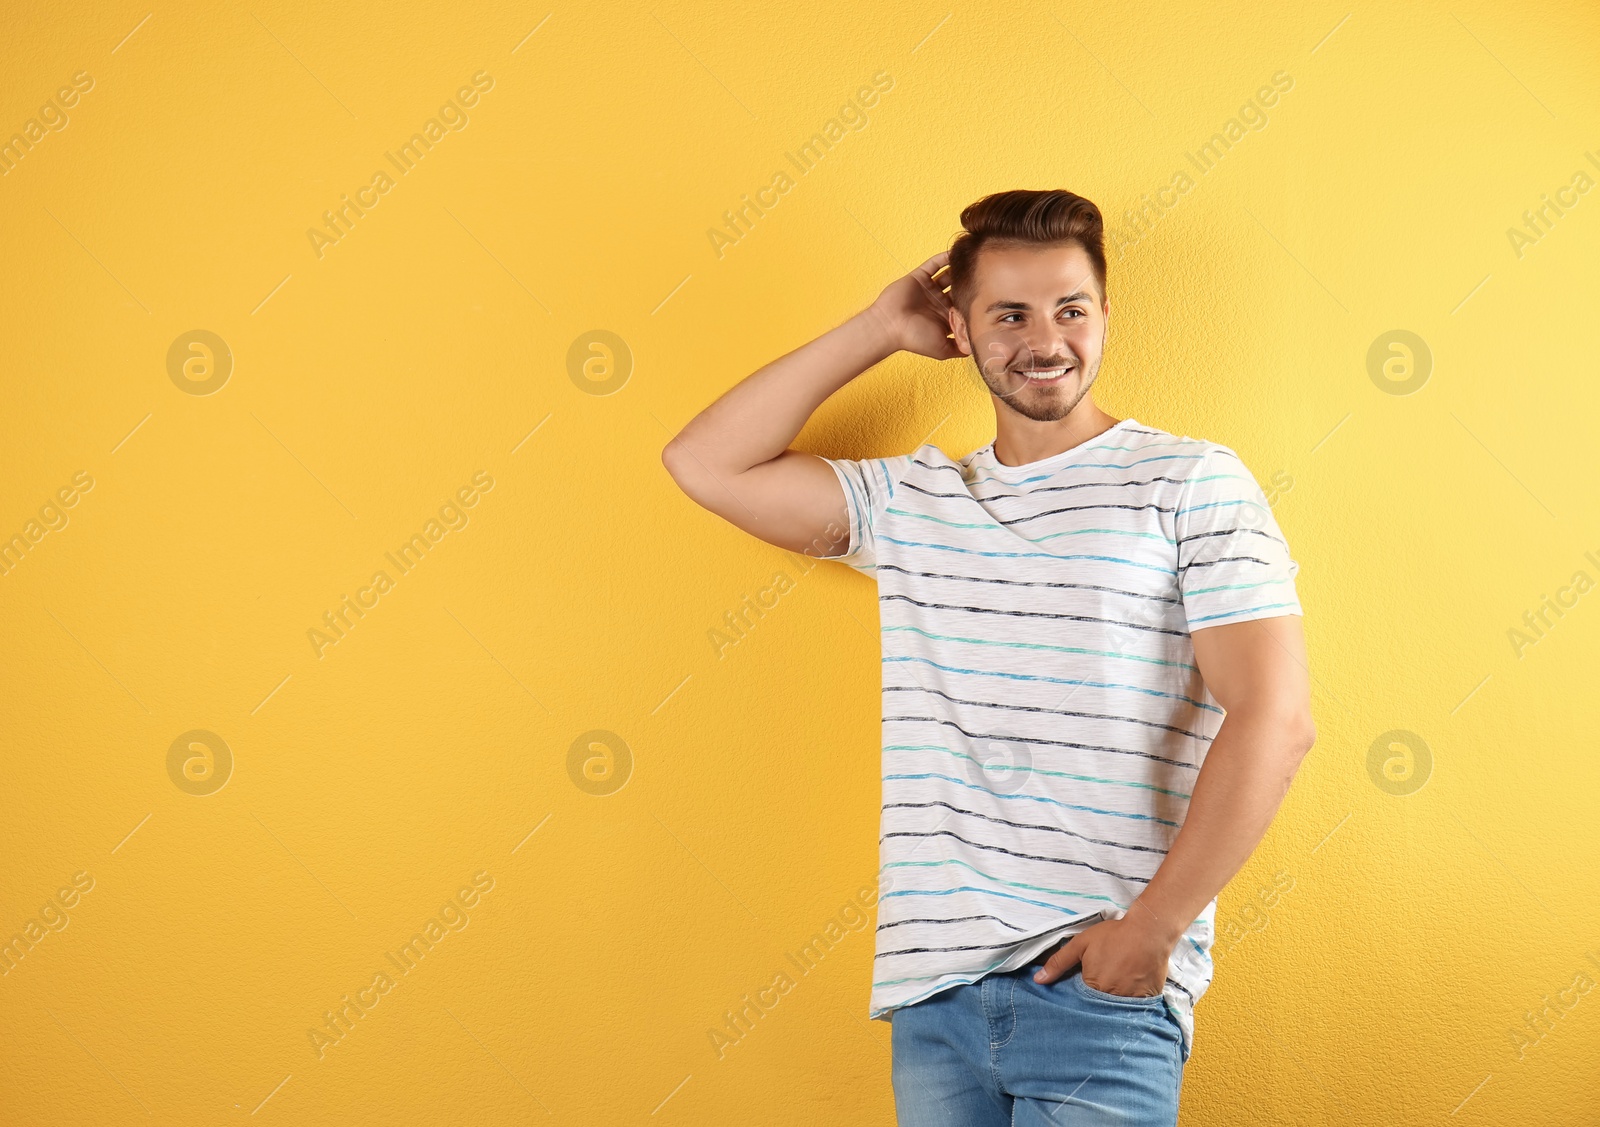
(671, 454)
(677, 460)
(1303, 734)
(700, 483)
(1290, 731)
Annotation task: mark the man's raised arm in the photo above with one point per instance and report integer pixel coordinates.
(733, 458)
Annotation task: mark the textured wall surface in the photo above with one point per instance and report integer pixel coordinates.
(258, 340)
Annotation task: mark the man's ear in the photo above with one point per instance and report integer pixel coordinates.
(958, 327)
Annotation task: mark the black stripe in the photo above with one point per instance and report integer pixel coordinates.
(1076, 508)
(1043, 488)
(1035, 614)
(1006, 738)
(1049, 711)
(1030, 583)
(926, 950)
(1223, 560)
(1046, 512)
(956, 920)
(1229, 532)
(1074, 485)
(1014, 853)
(920, 687)
(1025, 825)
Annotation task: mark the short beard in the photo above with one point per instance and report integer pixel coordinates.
(1046, 408)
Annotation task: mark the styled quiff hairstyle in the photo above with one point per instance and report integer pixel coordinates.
(1024, 217)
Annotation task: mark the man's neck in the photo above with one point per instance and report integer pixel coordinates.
(1019, 440)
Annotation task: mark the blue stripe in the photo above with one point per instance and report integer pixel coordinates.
(1060, 681)
(991, 892)
(1040, 798)
(1191, 444)
(966, 981)
(1087, 466)
(1234, 587)
(1050, 536)
(855, 507)
(1246, 610)
(888, 479)
(1215, 504)
(1041, 645)
(1027, 555)
(1033, 770)
(1188, 481)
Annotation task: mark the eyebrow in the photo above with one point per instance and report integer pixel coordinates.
(1081, 295)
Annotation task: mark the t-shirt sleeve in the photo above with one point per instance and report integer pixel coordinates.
(1233, 561)
(869, 485)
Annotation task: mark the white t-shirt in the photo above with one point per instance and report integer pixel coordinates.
(1043, 719)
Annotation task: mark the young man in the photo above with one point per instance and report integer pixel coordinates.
(1065, 615)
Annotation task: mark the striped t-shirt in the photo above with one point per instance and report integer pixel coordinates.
(1043, 718)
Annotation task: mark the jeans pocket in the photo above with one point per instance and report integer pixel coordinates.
(1148, 1001)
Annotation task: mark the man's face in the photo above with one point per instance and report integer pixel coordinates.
(1037, 327)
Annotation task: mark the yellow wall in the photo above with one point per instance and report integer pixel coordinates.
(1381, 949)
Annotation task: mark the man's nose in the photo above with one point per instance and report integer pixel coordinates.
(1047, 344)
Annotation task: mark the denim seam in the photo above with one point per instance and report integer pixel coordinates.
(994, 1054)
(1012, 997)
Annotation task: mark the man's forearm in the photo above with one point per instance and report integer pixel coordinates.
(1247, 773)
(756, 419)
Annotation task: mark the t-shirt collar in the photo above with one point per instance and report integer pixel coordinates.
(985, 456)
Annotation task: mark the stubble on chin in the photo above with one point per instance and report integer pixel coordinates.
(1044, 406)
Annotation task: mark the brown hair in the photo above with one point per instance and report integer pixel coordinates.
(1023, 217)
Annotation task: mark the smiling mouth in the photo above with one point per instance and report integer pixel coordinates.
(1047, 375)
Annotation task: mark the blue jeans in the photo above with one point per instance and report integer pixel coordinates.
(1006, 1051)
